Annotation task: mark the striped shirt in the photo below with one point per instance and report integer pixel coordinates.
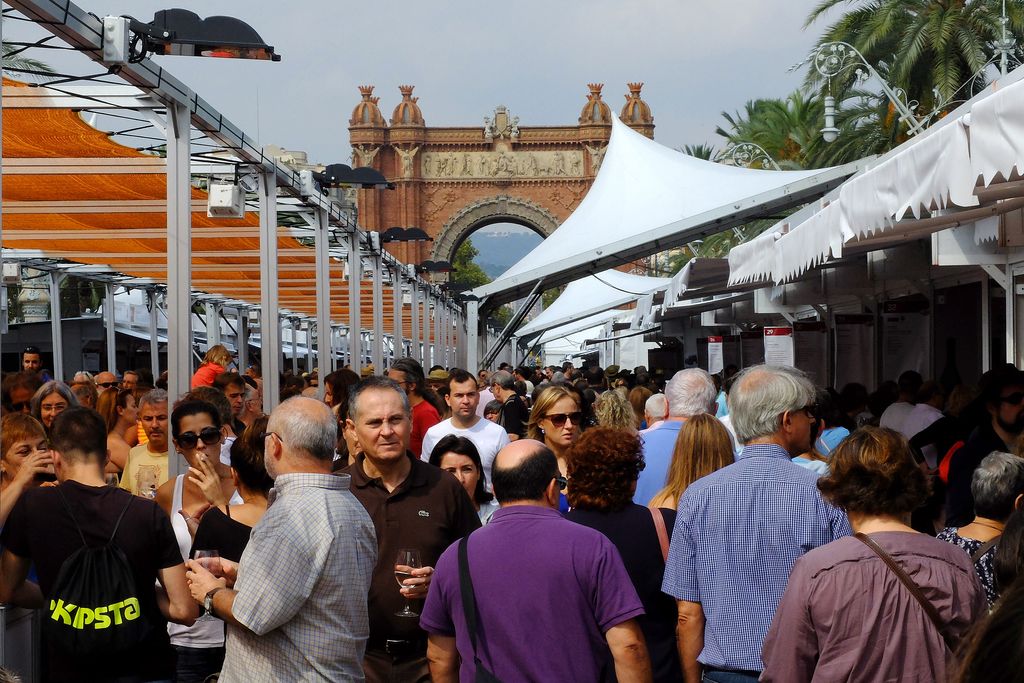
(302, 586)
(737, 534)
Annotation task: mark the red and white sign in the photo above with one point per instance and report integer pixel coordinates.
(778, 346)
(715, 355)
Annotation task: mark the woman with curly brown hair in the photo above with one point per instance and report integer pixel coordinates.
(702, 447)
(603, 466)
(889, 604)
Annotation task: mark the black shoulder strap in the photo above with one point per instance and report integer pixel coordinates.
(984, 548)
(120, 517)
(67, 506)
(468, 596)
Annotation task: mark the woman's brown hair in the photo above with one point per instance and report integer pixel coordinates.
(638, 399)
(873, 472)
(702, 447)
(604, 464)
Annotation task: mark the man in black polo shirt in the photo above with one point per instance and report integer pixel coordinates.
(413, 505)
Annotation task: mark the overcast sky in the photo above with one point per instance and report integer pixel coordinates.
(535, 56)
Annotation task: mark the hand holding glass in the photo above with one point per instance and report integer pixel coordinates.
(406, 561)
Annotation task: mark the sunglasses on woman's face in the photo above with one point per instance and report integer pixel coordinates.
(209, 436)
(558, 419)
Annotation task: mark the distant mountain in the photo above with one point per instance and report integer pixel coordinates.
(500, 250)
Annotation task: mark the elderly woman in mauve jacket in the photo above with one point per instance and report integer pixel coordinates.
(847, 615)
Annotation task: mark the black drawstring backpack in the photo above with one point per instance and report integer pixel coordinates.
(94, 605)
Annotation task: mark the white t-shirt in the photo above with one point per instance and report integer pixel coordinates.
(487, 436)
(895, 415)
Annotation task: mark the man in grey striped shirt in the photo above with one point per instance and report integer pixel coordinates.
(298, 608)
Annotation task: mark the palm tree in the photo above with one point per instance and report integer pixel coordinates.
(787, 129)
(702, 151)
(936, 50)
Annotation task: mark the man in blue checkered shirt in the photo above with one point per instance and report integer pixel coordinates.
(739, 531)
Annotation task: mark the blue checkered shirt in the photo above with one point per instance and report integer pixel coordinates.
(302, 585)
(738, 533)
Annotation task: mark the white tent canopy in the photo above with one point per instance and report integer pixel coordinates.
(586, 323)
(648, 198)
(590, 295)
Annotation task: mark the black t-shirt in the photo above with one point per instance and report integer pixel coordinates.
(632, 531)
(39, 528)
(514, 416)
(219, 532)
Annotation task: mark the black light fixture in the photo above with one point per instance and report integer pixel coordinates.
(434, 267)
(397, 234)
(343, 175)
(184, 33)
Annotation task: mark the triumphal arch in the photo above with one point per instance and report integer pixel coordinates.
(452, 181)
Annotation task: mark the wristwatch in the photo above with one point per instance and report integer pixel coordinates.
(208, 601)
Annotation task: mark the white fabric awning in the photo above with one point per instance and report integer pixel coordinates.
(936, 172)
(590, 321)
(648, 198)
(592, 294)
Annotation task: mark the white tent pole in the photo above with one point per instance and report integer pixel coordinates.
(396, 302)
(56, 333)
(270, 323)
(437, 358)
(414, 300)
(108, 310)
(471, 338)
(428, 358)
(242, 339)
(378, 312)
(154, 334)
(310, 330)
(295, 345)
(324, 351)
(179, 255)
(355, 276)
(212, 324)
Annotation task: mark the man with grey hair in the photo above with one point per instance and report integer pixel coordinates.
(998, 489)
(690, 392)
(514, 415)
(147, 467)
(739, 530)
(295, 604)
(413, 505)
(655, 411)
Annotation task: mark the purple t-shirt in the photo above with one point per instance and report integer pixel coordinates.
(547, 590)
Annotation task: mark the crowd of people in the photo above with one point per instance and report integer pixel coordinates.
(534, 524)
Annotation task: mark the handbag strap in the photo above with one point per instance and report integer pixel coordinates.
(468, 596)
(659, 526)
(984, 548)
(915, 590)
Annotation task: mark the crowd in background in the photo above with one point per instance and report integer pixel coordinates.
(742, 526)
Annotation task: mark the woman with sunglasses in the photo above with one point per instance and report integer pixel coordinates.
(120, 412)
(604, 466)
(555, 420)
(198, 435)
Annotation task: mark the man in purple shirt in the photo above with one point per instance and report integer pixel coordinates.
(554, 601)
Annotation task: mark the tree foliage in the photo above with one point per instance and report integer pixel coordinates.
(464, 270)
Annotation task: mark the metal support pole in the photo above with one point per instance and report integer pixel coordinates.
(428, 358)
(154, 333)
(324, 351)
(270, 323)
(355, 326)
(295, 345)
(414, 337)
(437, 358)
(472, 340)
(179, 256)
(378, 313)
(396, 302)
(212, 324)
(310, 329)
(56, 333)
(242, 339)
(1011, 317)
(108, 314)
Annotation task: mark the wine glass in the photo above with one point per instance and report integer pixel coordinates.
(210, 561)
(407, 560)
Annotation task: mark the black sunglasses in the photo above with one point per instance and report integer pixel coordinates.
(558, 419)
(209, 436)
(20, 406)
(107, 385)
(1013, 399)
(561, 481)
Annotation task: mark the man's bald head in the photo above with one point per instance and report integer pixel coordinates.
(306, 428)
(522, 471)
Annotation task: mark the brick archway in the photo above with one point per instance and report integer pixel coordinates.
(502, 209)
(451, 180)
